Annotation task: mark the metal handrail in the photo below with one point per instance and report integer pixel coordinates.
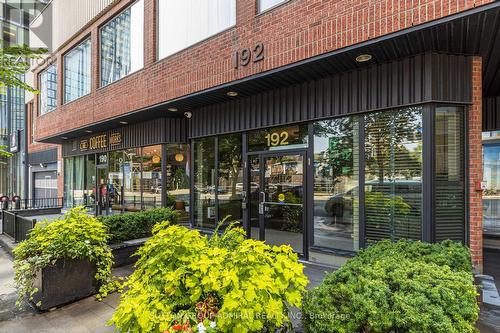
(17, 203)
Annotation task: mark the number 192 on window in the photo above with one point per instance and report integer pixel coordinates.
(275, 139)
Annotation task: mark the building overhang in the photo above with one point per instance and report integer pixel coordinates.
(472, 32)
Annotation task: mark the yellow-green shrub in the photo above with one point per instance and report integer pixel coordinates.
(253, 283)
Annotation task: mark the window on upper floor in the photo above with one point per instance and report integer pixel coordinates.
(184, 23)
(122, 44)
(48, 89)
(267, 4)
(77, 72)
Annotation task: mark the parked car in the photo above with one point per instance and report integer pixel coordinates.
(408, 189)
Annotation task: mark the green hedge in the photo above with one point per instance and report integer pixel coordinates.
(397, 287)
(123, 227)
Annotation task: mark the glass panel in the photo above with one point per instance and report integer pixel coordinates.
(69, 181)
(151, 176)
(449, 195)
(184, 23)
(393, 178)
(114, 188)
(266, 4)
(122, 44)
(77, 72)
(278, 138)
(491, 197)
(230, 182)
(178, 165)
(48, 89)
(283, 186)
(336, 188)
(90, 184)
(103, 203)
(254, 192)
(79, 189)
(204, 183)
(132, 180)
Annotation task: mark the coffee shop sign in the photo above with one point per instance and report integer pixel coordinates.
(102, 141)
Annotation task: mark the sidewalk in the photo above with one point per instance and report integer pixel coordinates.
(85, 316)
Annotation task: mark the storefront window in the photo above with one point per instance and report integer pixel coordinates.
(178, 179)
(491, 196)
(393, 174)
(449, 176)
(336, 188)
(69, 181)
(204, 183)
(151, 176)
(122, 44)
(114, 184)
(48, 89)
(132, 179)
(184, 23)
(278, 138)
(230, 181)
(79, 185)
(77, 72)
(90, 183)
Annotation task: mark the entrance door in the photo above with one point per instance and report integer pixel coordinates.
(277, 199)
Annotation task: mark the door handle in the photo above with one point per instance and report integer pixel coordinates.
(262, 196)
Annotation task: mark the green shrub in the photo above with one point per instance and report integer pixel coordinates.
(123, 227)
(75, 236)
(184, 279)
(397, 287)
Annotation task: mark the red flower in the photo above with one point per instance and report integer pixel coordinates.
(177, 327)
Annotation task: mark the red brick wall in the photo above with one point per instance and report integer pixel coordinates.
(294, 31)
(476, 166)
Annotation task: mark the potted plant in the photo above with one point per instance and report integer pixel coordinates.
(63, 261)
(189, 282)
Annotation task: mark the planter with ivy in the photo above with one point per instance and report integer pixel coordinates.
(63, 261)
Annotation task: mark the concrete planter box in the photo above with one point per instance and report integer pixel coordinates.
(67, 281)
(122, 252)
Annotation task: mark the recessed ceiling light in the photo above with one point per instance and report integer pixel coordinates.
(64, 137)
(124, 122)
(88, 131)
(232, 93)
(364, 57)
(172, 109)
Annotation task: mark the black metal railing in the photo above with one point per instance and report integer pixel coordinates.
(16, 226)
(17, 203)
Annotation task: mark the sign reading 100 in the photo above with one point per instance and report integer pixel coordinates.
(274, 139)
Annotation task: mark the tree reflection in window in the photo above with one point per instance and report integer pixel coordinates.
(393, 174)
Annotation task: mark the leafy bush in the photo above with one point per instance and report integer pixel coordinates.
(397, 287)
(188, 282)
(129, 226)
(75, 236)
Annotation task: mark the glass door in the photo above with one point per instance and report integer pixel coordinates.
(276, 190)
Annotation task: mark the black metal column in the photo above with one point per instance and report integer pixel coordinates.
(428, 173)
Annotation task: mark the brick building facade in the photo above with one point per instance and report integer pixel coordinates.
(308, 48)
